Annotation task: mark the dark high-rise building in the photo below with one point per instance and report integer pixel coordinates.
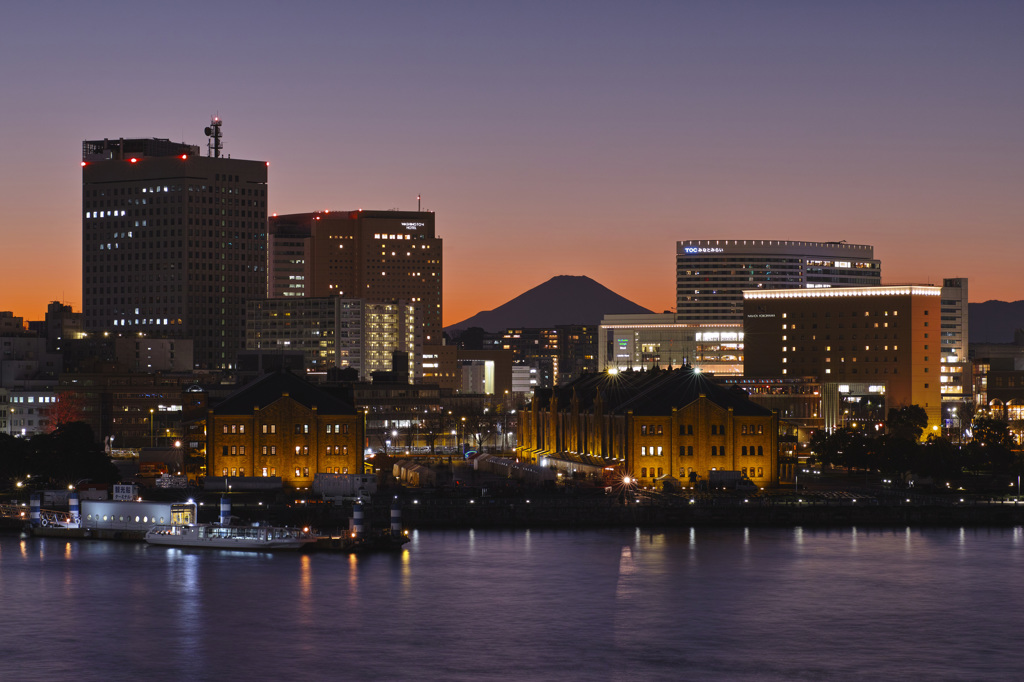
(173, 243)
(377, 256)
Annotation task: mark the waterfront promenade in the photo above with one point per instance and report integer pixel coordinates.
(571, 509)
(841, 508)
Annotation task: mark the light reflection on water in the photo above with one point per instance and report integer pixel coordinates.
(728, 604)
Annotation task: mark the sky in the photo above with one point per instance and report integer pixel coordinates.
(550, 138)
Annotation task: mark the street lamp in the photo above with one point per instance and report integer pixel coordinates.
(151, 427)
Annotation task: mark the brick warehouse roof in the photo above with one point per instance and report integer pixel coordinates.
(649, 393)
(273, 387)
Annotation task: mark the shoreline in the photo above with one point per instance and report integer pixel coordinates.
(571, 512)
(594, 512)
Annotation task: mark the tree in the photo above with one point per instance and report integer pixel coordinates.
(991, 448)
(846, 448)
(907, 422)
(70, 454)
(988, 431)
(67, 409)
(15, 456)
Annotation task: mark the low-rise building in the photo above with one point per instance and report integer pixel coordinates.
(652, 426)
(281, 425)
(640, 342)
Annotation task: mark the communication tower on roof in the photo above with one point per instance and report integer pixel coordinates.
(214, 145)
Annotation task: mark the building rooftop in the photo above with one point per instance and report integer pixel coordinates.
(649, 393)
(273, 387)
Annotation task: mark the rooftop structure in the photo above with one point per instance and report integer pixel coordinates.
(711, 274)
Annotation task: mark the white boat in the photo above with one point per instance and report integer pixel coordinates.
(243, 538)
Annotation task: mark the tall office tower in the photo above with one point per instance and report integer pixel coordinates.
(173, 243)
(377, 256)
(711, 274)
(956, 367)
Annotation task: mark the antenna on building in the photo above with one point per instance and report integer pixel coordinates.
(419, 203)
(214, 145)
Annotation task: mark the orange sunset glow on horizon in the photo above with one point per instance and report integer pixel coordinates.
(549, 143)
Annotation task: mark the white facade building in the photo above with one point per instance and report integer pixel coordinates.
(661, 340)
(711, 274)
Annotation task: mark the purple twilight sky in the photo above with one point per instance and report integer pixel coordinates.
(580, 138)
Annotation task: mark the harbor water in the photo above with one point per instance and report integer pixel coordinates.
(689, 604)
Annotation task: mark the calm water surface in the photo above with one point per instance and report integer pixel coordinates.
(723, 604)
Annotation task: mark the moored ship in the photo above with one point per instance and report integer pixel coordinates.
(242, 538)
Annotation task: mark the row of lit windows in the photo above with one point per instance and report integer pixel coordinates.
(272, 471)
(814, 325)
(271, 450)
(687, 429)
(111, 518)
(750, 472)
(122, 191)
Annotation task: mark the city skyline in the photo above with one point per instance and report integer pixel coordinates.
(549, 140)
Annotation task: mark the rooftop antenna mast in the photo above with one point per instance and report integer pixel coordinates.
(419, 202)
(214, 145)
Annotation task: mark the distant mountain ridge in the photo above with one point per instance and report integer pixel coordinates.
(564, 299)
(572, 299)
(994, 321)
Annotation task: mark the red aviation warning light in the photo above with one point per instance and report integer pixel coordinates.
(133, 160)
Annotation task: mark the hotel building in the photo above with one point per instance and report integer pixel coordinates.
(173, 243)
(859, 343)
(376, 256)
(711, 274)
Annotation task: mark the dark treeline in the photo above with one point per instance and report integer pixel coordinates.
(901, 452)
(67, 455)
